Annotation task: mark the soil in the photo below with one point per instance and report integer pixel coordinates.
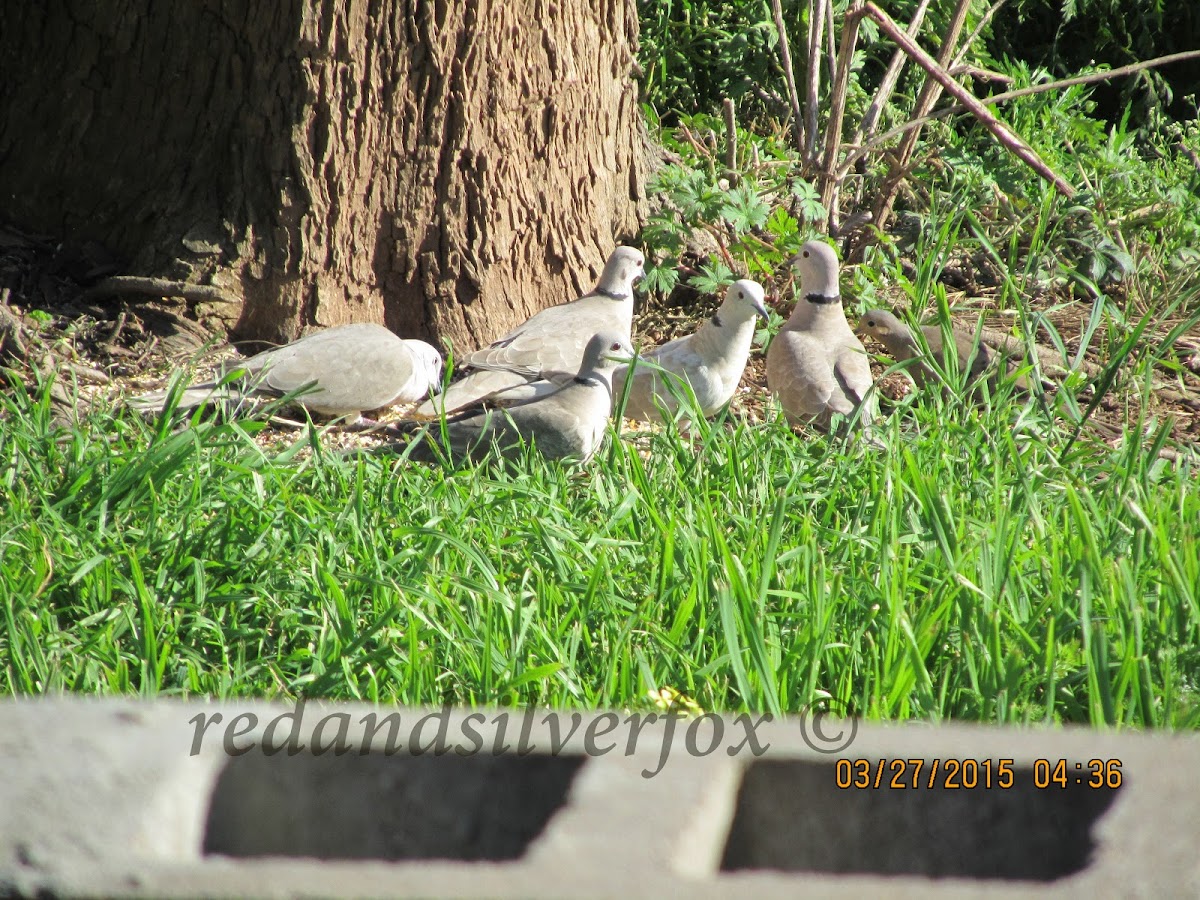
(52, 318)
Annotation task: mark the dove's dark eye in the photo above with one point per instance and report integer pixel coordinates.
(615, 347)
(870, 323)
(806, 254)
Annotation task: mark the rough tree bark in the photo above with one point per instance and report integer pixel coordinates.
(444, 166)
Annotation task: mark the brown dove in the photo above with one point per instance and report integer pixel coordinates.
(902, 344)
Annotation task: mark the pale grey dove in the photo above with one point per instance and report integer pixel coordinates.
(711, 360)
(568, 422)
(550, 344)
(902, 344)
(815, 365)
(350, 368)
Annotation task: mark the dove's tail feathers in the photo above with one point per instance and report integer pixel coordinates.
(478, 386)
(189, 398)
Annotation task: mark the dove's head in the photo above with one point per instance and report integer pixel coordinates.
(817, 264)
(879, 323)
(743, 301)
(625, 266)
(885, 328)
(606, 350)
(429, 363)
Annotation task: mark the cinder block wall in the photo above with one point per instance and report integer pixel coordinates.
(173, 799)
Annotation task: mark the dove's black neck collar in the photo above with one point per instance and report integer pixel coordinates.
(823, 299)
(587, 381)
(716, 320)
(611, 295)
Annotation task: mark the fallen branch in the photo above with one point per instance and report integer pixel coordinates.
(157, 287)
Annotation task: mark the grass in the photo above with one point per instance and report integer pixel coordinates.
(982, 566)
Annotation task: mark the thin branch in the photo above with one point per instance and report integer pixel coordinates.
(816, 24)
(1006, 137)
(1189, 153)
(930, 92)
(789, 73)
(730, 135)
(1090, 78)
(837, 111)
(887, 86)
(979, 74)
(830, 49)
(987, 17)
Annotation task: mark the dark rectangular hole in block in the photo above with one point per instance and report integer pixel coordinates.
(792, 816)
(385, 807)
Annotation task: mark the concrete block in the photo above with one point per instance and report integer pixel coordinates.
(175, 799)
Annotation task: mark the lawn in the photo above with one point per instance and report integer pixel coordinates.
(1025, 559)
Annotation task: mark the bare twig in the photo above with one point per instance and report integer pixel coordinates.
(816, 23)
(789, 74)
(930, 91)
(157, 287)
(830, 41)
(982, 24)
(980, 74)
(115, 334)
(1090, 78)
(887, 86)
(1189, 153)
(730, 136)
(837, 111)
(770, 98)
(1003, 134)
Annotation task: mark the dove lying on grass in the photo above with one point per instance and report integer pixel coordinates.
(902, 344)
(815, 365)
(350, 368)
(711, 360)
(551, 343)
(568, 422)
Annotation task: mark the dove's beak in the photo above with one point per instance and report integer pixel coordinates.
(761, 311)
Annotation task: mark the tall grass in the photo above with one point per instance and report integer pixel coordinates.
(970, 570)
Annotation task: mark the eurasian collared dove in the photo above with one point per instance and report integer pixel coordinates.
(815, 365)
(569, 422)
(550, 343)
(902, 344)
(351, 368)
(711, 360)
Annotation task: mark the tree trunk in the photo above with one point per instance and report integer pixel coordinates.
(446, 167)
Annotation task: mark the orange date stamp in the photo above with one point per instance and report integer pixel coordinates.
(972, 774)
